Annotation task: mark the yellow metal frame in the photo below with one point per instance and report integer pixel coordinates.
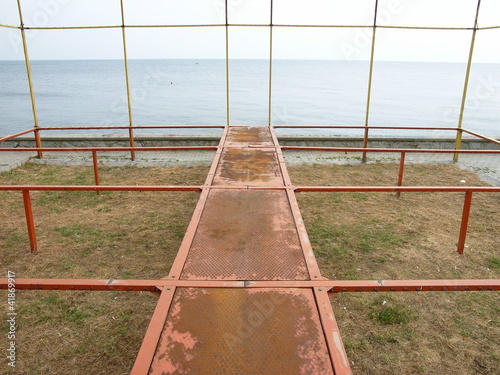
(129, 104)
(271, 26)
(458, 140)
(370, 79)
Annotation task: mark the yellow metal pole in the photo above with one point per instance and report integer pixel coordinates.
(458, 140)
(227, 67)
(369, 95)
(125, 59)
(270, 64)
(38, 141)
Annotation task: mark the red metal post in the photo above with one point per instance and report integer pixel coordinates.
(29, 220)
(401, 171)
(38, 143)
(465, 222)
(365, 144)
(131, 138)
(96, 169)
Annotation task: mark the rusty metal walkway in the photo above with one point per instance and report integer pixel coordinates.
(246, 227)
(245, 295)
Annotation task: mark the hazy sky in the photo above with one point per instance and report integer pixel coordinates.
(252, 42)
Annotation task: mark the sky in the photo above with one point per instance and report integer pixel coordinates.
(252, 41)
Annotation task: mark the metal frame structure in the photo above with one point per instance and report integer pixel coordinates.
(227, 25)
(319, 287)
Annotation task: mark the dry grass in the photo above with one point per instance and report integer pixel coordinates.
(378, 236)
(355, 236)
(118, 235)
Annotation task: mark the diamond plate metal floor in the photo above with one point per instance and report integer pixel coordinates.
(247, 227)
(246, 235)
(240, 331)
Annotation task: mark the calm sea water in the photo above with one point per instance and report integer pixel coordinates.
(193, 92)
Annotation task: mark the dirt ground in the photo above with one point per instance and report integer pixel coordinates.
(136, 235)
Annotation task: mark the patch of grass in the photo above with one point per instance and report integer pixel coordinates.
(494, 263)
(391, 315)
(90, 236)
(396, 337)
(13, 239)
(104, 208)
(54, 308)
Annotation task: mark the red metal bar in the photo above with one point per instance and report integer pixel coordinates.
(217, 157)
(16, 135)
(153, 334)
(358, 127)
(414, 150)
(131, 140)
(401, 171)
(187, 240)
(222, 187)
(115, 285)
(96, 168)
(451, 189)
(83, 284)
(335, 286)
(294, 148)
(180, 259)
(310, 259)
(482, 136)
(30, 220)
(340, 362)
(413, 285)
(365, 144)
(98, 188)
(134, 127)
(465, 222)
(38, 143)
(63, 149)
(281, 160)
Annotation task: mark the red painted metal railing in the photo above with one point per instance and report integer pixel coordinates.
(332, 286)
(398, 189)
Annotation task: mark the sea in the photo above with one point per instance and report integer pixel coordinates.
(75, 93)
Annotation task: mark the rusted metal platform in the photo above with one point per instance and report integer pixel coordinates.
(244, 294)
(247, 227)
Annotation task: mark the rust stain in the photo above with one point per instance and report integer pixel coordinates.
(252, 167)
(238, 331)
(249, 135)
